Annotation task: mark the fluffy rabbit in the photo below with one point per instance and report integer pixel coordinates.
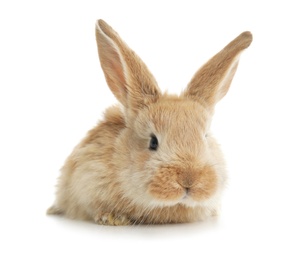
(152, 159)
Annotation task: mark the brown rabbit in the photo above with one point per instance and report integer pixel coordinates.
(151, 159)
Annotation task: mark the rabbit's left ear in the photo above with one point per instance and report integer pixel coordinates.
(212, 81)
(126, 74)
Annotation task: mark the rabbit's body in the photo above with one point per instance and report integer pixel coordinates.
(95, 180)
(153, 159)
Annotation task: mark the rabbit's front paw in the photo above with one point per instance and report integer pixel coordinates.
(110, 219)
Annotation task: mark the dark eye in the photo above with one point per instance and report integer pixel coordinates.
(153, 144)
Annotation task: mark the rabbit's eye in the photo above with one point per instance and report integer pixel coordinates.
(153, 144)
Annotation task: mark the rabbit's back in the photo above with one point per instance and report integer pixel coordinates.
(89, 170)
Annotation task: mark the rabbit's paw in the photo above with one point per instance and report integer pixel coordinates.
(110, 219)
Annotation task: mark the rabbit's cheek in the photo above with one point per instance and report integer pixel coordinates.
(164, 186)
(204, 184)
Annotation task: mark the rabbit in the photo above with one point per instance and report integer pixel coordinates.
(152, 158)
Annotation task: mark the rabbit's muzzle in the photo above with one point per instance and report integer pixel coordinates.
(176, 183)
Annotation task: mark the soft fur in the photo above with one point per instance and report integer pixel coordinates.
(113, 178)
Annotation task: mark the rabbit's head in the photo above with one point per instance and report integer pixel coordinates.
(166, 155)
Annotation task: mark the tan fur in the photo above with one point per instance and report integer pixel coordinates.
(113, 178)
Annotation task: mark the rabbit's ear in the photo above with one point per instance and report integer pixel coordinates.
(127, 76)
(212, 81)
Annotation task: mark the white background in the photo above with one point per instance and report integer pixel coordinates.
(53, 91)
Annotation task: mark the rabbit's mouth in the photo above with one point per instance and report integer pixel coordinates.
(187, 194)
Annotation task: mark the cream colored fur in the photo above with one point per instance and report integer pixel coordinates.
(113, 178)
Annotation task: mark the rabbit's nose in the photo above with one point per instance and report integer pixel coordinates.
(187, 191)
(184, 179)
(186, 186)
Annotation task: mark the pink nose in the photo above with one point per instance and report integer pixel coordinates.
(187, 190)
(184, 179)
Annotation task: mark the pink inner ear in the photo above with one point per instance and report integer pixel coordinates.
(116, 76)
(113, 68)
(227, 82)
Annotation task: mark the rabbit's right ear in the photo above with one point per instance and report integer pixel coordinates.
(212, 80)
(127, 76)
